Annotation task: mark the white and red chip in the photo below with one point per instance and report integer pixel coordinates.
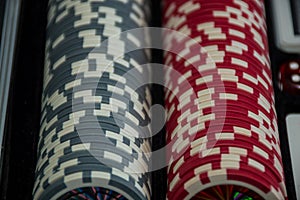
(221, 118)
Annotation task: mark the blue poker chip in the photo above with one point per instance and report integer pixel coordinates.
(65, 100)
(105, 93)
(118, 91)
(85, 63)
(74, 91)
(71, 21)
(55, 145)
(58, 126)
(84, 174)
(105, 128)
(68, 98)
(85, 138)
(96, 127)
(117, 77)
(75, 140)
(114, 8)
(70, 107)
(92, 149)
(75, 43)
(70, 159)
(67, 70)
(102, 124)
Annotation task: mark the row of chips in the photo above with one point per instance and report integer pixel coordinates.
(221, 119)
(93, 141)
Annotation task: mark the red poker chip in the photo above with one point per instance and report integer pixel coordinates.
(228, 108)
(227, 29)
(211, 141)
(233, 74)
(193, 161)
(244, 174)
(254, 65)
(182, 66)
(211, 131)
(229, 40)
(219, 113)
(247, 74)
(225, 25)
(211, 79)
(183, 193)
(224, 146)
(233, 62)
(225, 18)
(208, 40)
(255, 15)
(227, 85)
(193, 106)
(240, 45)
(247, 45)
(220, 106)
(247, 175)
(211, 134)
(223, 33)
(214, 5)
(216, 102)
(223, 84)
(216, 164)
(220, 116)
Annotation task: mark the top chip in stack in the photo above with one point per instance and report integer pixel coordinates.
(93, 141)
(221, 120)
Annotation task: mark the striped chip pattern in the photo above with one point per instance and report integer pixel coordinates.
(90, 143)
(221, 121)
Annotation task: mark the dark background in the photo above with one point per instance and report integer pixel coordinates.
(24, 103)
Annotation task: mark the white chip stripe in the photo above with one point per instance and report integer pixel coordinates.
(59, 62)
(245, 88)
(261, 152)
(237, 33)
(256, 164)
(228, 96)
(189, 7)
(205, 25)
(206, 152)
(61, 16)
(58, 40)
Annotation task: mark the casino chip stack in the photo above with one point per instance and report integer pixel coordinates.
(94, 126)
(221, 120)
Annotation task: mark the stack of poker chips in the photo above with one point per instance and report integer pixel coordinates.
(221, 120)
(93, 141)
